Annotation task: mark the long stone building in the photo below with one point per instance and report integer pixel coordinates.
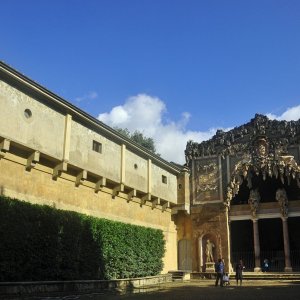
(238, 192)
(53, 153)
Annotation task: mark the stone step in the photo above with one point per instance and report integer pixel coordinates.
(179, 275)
(270, 276)
(252, 275)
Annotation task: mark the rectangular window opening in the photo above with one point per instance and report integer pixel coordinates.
(97, 147)
(164, 179)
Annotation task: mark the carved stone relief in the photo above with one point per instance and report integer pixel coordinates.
(206, 179)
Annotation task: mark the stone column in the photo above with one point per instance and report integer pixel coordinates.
(200, 254)
(228, 265)
(257, 267)
(286, 242)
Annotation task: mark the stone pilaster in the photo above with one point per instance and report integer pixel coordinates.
(67, 137)
(149, 185)
(123, 160)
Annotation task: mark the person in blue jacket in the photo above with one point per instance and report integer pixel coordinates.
(219, 267)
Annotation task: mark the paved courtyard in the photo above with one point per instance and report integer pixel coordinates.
(255, 289)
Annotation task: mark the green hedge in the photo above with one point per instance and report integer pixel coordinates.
(44, 243)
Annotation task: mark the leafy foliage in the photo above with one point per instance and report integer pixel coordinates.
(139, 138)
(129, 251)
(43, 243)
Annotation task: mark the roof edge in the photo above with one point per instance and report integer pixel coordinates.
(11, 72)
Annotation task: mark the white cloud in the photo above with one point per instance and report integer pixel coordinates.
(291, 114)
(146, 114)
(89, 96)
(141, 112)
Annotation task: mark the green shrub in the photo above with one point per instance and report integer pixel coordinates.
(43, 243)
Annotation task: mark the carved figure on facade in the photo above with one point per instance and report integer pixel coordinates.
(209, 251)
(254, 199)
(262, 151)
(282, 199)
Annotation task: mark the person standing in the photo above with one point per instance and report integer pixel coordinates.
(239, 272)
(223, 261)
(219, 272)
(266, 265)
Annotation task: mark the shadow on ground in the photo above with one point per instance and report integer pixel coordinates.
(199, 290)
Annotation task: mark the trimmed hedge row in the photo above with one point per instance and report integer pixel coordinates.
(43, 243)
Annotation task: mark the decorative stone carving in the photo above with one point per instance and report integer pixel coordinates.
(253, 201)
(207, 177)
(282, 199)
(260, 146)
(240, 139)
(284, 167)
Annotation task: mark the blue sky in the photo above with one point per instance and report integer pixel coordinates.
(175, 70)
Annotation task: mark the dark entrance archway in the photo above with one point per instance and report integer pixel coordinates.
(294, 234)
(242, 243)
(267, 189)
(271, 243)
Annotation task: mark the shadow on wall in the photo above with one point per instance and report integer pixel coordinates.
(2, 190)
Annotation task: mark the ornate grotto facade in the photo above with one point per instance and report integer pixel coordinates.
(245, 197)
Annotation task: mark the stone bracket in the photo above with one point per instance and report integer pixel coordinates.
(131, 195)
(116, 190)
(100, 184)
(4, 147)
(81, 177)
(165, 206)
(32, 160)
(58, 169)
(145, 198)
(155, 202)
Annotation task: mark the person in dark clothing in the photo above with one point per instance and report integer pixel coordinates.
(266, 265)
(239, 272)
(219, 266)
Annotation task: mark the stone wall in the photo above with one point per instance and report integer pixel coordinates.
(36, 125)
(37, 186)
(60, 288)
(52, 153)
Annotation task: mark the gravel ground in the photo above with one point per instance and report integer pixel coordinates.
(204, 289)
